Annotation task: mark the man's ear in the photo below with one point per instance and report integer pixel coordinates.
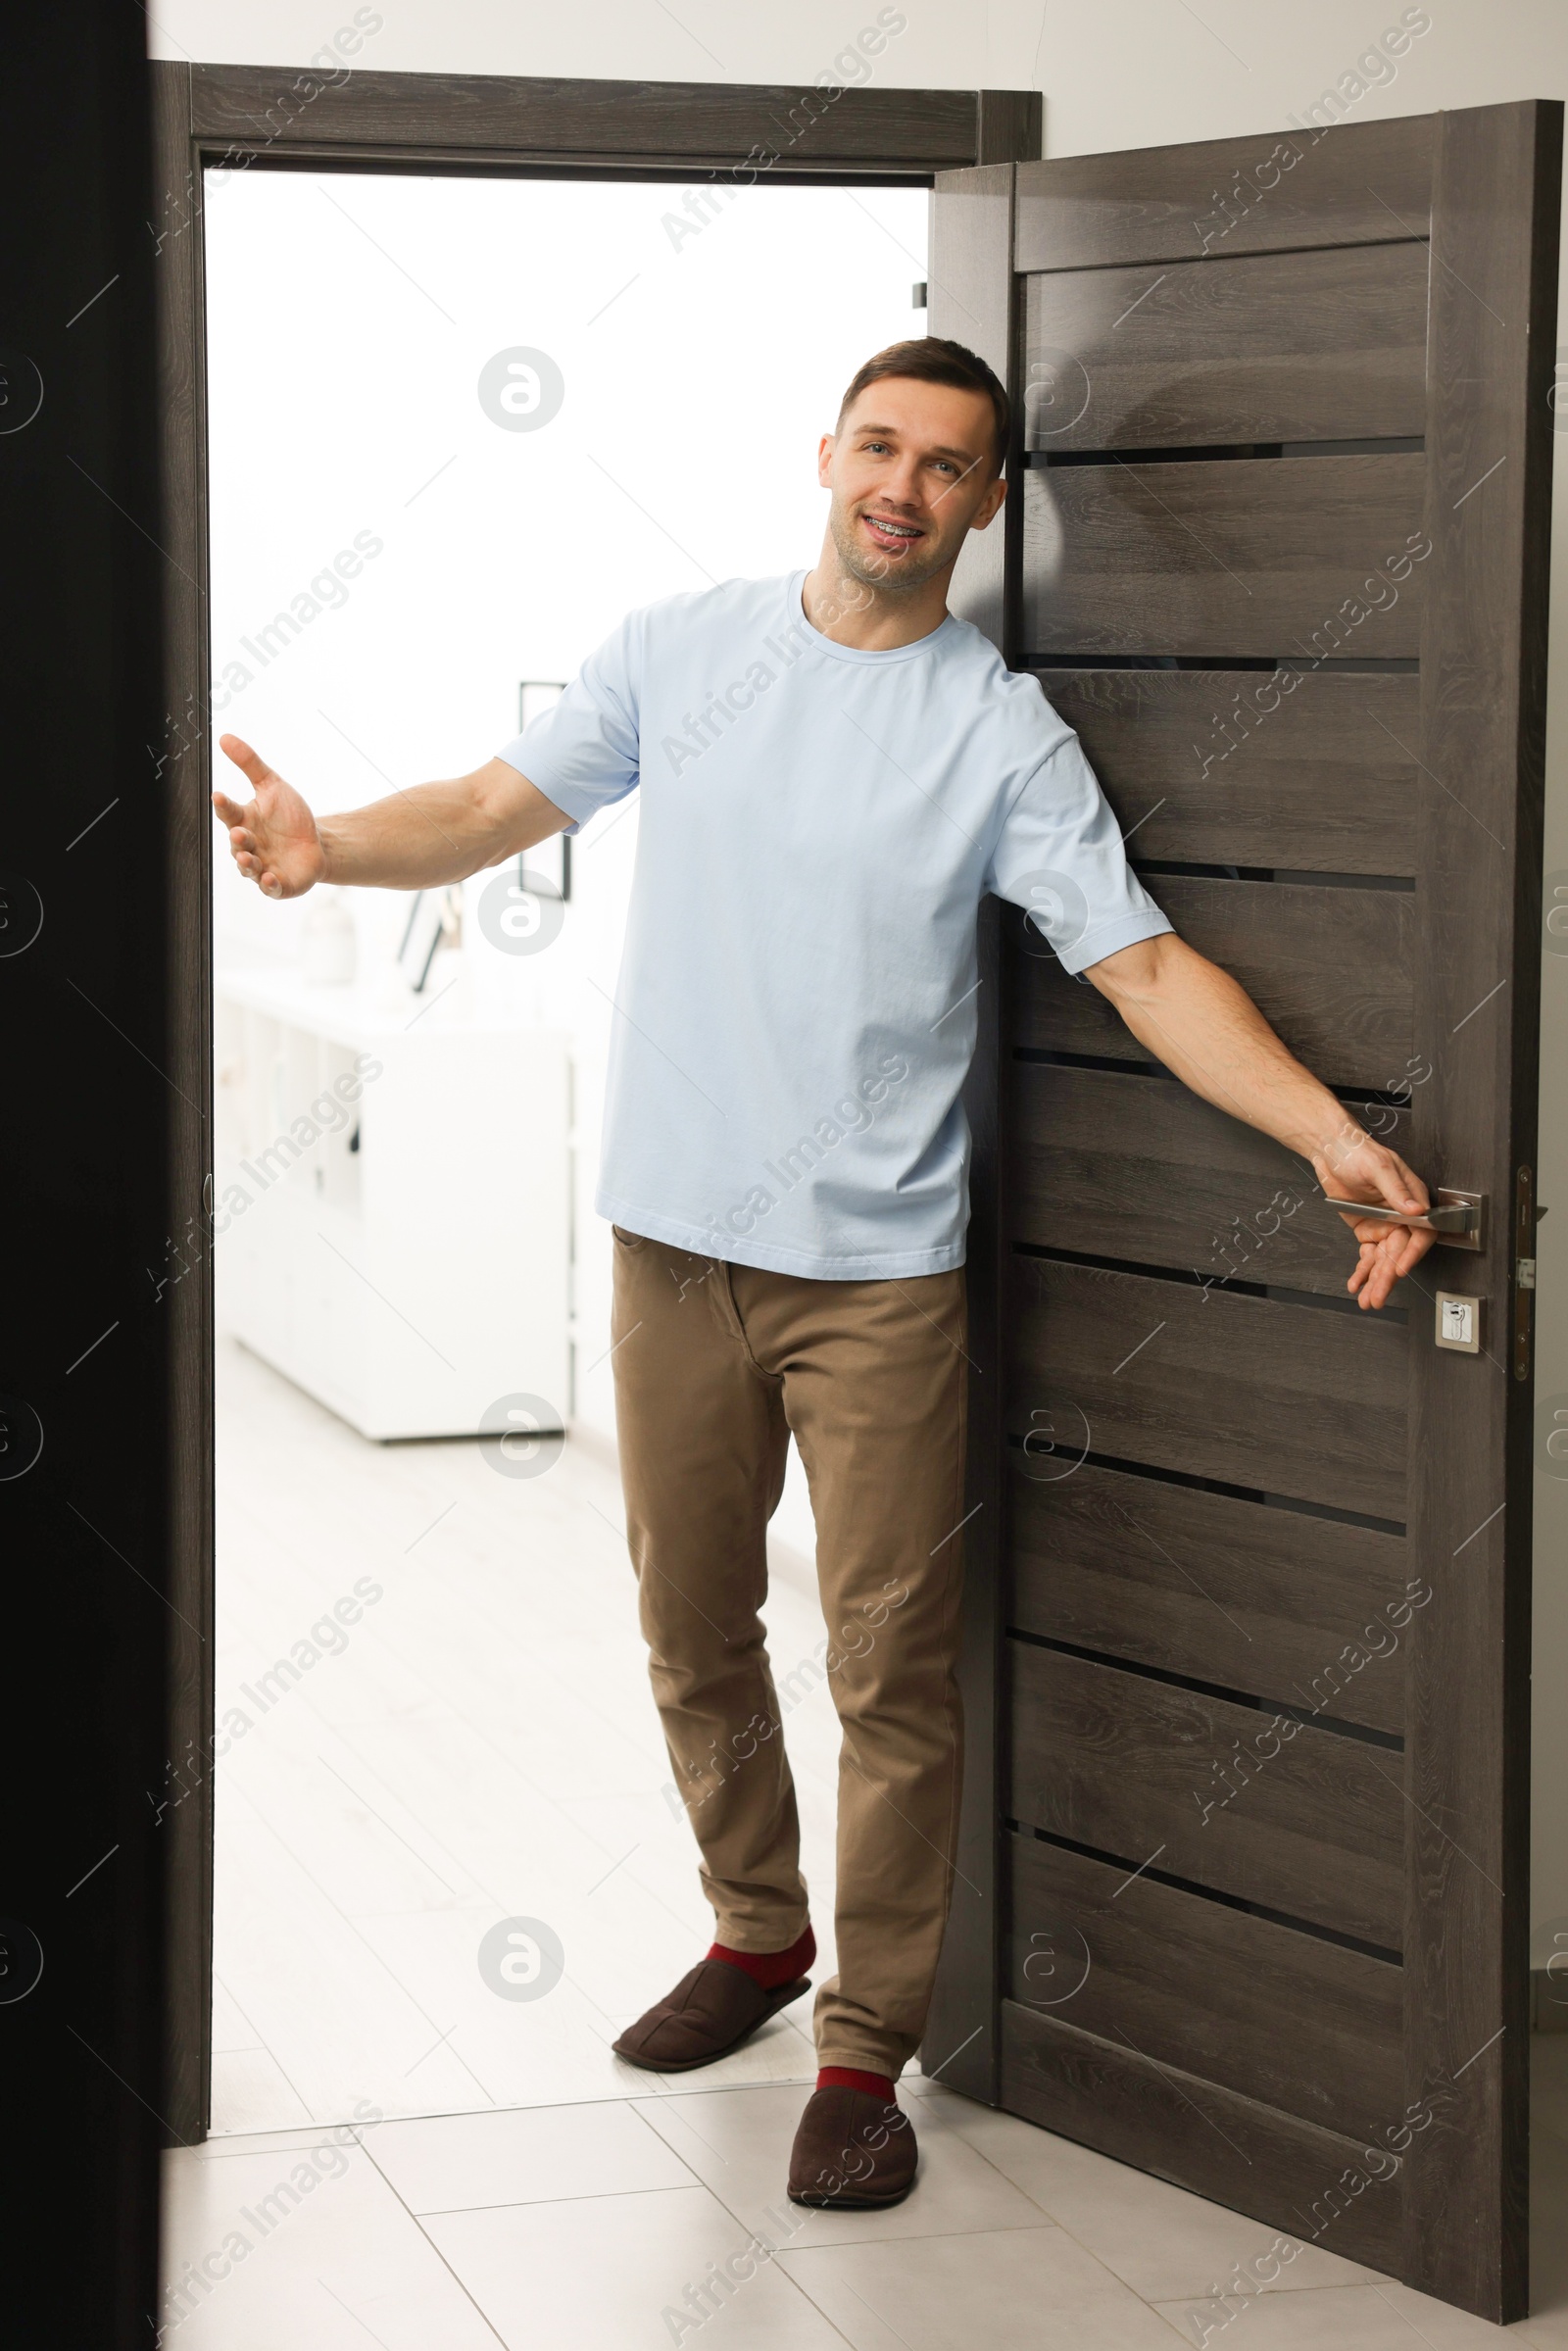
(824, 461)
(986, 513)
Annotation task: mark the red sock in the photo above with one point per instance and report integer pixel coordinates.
(770, 1969)
(848, 2077)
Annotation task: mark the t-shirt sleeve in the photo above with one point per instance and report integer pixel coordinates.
(1060, 856)
(583, 751)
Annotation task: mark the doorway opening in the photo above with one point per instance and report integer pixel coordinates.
(458, 427)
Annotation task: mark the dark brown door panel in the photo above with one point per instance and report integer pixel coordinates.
(1306, 1821)
(1277, 547)
(1290, 2019)
(1317, 559)
(1323, 2188)
(1281, 1604)
(1108, 1165)
(1330, 968)
(1320, 770)
(1276, 1397)
(1277, 192)
(1321, 346)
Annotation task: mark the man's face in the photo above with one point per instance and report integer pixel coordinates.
(910, 469)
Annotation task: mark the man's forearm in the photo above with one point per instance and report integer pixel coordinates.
(437, 833)
(1207, 1032)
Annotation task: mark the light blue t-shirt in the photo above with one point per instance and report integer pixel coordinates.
(797, 1004)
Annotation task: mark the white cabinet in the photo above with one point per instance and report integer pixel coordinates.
(392, 1204)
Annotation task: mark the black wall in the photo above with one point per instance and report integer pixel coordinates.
(83, 1187)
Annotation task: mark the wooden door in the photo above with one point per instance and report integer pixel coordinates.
(1243, 1880)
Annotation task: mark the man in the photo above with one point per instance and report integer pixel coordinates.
(834, 772)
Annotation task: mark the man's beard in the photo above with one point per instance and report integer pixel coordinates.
(889, 576)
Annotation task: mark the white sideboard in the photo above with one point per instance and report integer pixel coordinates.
(392, 1203)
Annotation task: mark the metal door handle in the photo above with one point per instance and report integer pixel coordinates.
(1435, 1220)
(1459, 1217)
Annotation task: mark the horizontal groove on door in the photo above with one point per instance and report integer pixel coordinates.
(1188, 1277)
(1323, 1303)
(1261, 1396)
(1024, 1450)
(1225, 1591)
(1359, 1098)
(1324, 345)
(1302, 1710)
(1054, 1060)
(1127, 1869)
(1367, 184)
(1244, 453)
(1330, 968)
(1319, 769)
(1101, 1162)
(1287, 2019)
(1301, 878)
(1314, 2185)
(1217, 665)
(1327, 1300)
(1302, 1820)
(1306, 557)
(1383, 444)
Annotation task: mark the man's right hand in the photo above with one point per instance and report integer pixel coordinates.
(273, 838)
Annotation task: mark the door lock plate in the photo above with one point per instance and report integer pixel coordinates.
(1459, 1318)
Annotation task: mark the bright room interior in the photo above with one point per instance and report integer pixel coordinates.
(432, 1702)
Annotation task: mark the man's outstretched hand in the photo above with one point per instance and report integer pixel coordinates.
(1361, 1169)
(273, 837)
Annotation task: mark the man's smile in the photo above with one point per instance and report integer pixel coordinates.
(889, 532)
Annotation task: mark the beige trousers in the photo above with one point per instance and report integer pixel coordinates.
(715, 1365)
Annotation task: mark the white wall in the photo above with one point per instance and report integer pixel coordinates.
(1120, 73)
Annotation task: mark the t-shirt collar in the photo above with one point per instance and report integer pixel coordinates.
(795, 608)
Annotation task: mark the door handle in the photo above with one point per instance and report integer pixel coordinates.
(1459, 1217)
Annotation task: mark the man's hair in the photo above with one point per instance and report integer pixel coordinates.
(933, 360)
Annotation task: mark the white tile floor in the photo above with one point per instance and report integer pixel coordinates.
(484, 1747)
(481, 1746)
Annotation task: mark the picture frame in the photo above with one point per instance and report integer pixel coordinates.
(552, 859)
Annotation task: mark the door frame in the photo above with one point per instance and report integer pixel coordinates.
(473, 125)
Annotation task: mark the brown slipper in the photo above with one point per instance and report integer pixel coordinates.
(710, 2012)
(852, 2152)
